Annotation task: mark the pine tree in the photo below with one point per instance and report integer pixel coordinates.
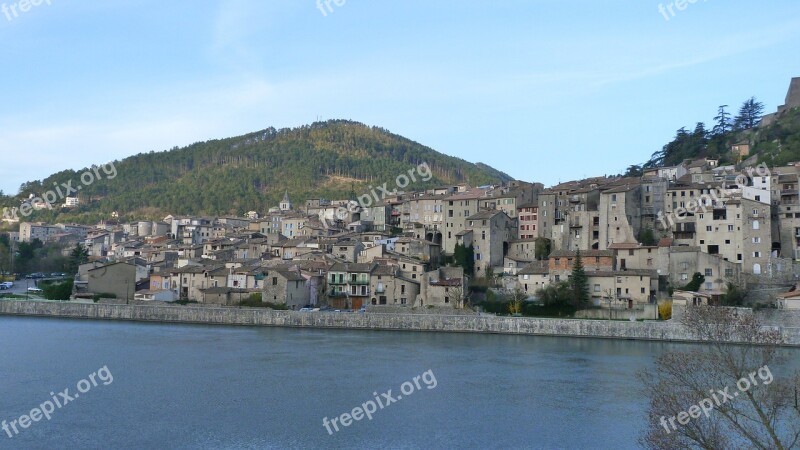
(723, 119)
(579, 282)
(78, 256)
(749, 114)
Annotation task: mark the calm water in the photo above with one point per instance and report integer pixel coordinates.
(178, 386)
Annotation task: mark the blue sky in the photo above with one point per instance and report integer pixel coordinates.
(545, 90)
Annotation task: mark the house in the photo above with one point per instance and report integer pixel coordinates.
(622, 288)
(348, 249)
(527, 219)
(116, 278)
(28, 231)
(161, 295)
(491, 233)
(349, 285)
(686, 298)
(224, 296)
(286, 287)
(789, 300)
(534, 276)
(389, 287)
(457, 208)
(446, 286)
(562, 261)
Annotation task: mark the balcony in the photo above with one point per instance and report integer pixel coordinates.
(335, 294)
(358, 282)
(788, 192)
(337, 282)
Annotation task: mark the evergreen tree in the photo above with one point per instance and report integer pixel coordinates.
(543, 248)
(579, 282)
(78, 256)
(749, 114)
(647, 237)
(723, 120)
(465, 257)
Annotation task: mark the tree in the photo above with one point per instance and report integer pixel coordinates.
(760, 410)
(59, 291)
(465, 257)
(78, 256)
(647, 237)
(460, 296)
(633, 171)
(697, 280)
(723, 119)
(749, 114)
(579, 282)
(543, 248)
(734, 296)
(515, 301)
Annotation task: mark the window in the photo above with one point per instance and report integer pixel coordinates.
(274, 281)
(728, 272)
(756, 254)
(597, 288)
(756, 225)
(684, 276)
(756, 240)
(709, 272)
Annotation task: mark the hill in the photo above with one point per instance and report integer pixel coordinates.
(334, 159)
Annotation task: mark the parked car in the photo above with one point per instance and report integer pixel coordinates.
(305, 309)
(363, 309)
(6, 285)
(35, 290)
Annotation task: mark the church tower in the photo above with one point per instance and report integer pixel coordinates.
(286, 204)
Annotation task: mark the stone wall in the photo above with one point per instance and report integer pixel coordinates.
(424, 310)
(660, 331)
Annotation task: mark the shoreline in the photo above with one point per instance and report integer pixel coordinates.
(258, 317)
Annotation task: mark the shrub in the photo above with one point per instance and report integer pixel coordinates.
(665, 310)
(60, 291)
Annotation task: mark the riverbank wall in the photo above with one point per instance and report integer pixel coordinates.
(652, 331)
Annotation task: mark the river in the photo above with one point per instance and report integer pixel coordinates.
(192, 387)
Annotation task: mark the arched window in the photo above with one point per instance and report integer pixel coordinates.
(756, 225)
(757, 269)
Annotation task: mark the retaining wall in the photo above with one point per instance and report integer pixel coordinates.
(660, 331)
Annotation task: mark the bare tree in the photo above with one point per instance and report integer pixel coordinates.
(723, 395)
(460, 295)
(516, 297)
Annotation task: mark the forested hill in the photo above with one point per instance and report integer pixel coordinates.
(334, 159)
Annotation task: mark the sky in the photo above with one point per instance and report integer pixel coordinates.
(544, 90)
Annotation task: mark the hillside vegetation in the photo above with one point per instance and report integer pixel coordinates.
(775, 144)
(334, 159)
